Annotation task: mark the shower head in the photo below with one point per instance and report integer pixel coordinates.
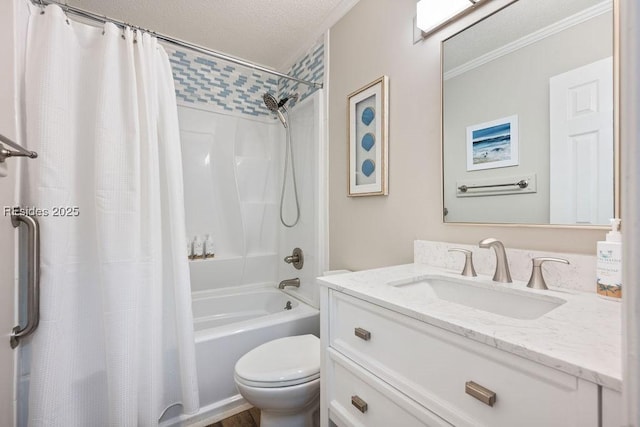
(272, 104)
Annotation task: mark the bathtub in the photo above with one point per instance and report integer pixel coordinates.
(228, 323)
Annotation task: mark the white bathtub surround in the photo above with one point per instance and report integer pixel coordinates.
(115, 343)
(231, 178)
(310, 232)
(582, 337)
(579, 275)
(229, 323)
(233, 175)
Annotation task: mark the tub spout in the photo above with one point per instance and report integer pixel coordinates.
(289, 282)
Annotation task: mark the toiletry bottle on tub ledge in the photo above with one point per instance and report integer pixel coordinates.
(609, 264)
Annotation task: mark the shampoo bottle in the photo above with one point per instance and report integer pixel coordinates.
(198, 248)
(609, 264)
(189, 248)
(209, 250)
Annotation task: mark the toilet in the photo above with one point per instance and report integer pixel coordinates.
(282, 379)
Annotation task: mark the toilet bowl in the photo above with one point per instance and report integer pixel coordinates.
(282, 379)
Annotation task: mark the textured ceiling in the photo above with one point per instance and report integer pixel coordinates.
(517, 20)
(269, 32)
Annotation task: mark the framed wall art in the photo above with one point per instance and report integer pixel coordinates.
(493, 144)
(368, 139)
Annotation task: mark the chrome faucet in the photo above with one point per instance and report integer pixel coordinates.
(289, 282)
(502, 273)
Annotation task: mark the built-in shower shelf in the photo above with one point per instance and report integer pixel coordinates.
(218, 258)
(261, 254)
(257, 157)
(225, 258)
(259, 203)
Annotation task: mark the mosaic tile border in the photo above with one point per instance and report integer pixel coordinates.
(222, 87)
(309, 67)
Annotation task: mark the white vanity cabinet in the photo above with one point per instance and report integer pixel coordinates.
(382, 368)
(611, 408)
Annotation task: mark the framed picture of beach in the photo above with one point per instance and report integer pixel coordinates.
(368, 124)
(493, 144)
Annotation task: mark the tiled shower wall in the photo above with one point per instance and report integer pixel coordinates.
(227, 88)
(309, 67)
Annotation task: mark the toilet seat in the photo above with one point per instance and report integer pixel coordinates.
(282, 362)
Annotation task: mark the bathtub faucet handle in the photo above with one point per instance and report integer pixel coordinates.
(296, 258)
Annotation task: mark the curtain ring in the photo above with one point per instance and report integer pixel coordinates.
(41, 2)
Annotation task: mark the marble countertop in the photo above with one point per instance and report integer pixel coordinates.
(581, 337)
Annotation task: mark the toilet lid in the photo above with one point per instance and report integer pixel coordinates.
(279, 363)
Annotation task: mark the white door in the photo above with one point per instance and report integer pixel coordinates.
(581, 145)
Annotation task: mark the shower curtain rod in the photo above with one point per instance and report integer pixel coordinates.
(104, 19)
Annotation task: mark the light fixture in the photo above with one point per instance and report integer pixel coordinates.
(434, 13)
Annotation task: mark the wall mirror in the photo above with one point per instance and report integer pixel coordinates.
(528, 116)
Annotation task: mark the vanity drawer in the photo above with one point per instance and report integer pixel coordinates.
(358, 398)
(433, 366)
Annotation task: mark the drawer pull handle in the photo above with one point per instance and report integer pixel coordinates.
(363, 333)
(360, 404)
(483, 394)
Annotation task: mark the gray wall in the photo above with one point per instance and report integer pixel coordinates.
(517, 83)
(373, 39)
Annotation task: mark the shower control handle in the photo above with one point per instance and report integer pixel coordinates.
(296, 258)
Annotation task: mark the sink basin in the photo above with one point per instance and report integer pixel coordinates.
(491, 298)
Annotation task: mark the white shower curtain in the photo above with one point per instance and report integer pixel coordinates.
(115, 346)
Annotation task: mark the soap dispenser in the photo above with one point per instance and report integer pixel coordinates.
(609, 263)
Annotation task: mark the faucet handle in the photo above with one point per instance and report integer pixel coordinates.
(536, 281)
(296, 258)
(468, 269)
